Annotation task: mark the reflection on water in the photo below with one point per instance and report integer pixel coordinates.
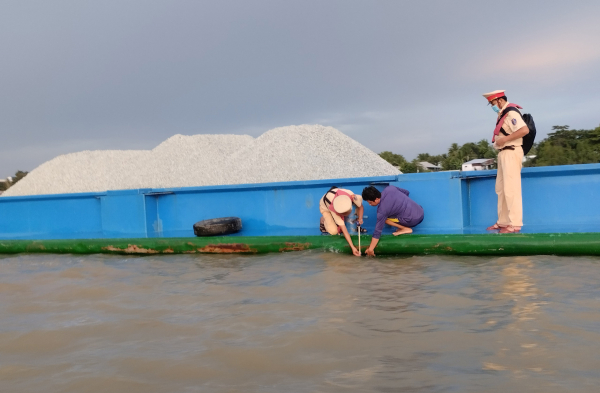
(298, 322)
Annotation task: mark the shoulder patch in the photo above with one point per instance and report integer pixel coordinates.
(514, 122)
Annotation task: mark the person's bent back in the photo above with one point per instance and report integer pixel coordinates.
(395, 208)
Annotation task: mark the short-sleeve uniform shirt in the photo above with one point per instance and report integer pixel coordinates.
(513, 122)
(356, 200)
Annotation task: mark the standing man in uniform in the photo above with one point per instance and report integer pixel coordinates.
(508, 140)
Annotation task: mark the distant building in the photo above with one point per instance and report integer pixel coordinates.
(479, 164)
(429, 166)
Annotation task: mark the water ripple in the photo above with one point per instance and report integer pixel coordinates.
(301, 322)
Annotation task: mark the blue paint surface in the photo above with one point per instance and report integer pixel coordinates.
(555, 199)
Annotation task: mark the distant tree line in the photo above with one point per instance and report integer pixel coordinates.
(456, 156)
(563, 146)
(5, 185)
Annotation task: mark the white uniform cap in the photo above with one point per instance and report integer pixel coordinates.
(494, 94)
(342, 204)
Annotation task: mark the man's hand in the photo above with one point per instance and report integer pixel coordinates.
(359, 221)
(371, 250)
(504, 139)
(355, 251)
(500, 141)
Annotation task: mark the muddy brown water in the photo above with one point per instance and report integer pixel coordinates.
(299, 322)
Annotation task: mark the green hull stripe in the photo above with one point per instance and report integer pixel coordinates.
(486, 244)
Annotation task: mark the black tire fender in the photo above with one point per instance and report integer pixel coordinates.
(218, 226)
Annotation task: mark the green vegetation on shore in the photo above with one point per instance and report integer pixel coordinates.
(5, 185)
(562, 147)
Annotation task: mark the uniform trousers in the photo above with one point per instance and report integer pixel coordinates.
(508, 187)
(327, 221)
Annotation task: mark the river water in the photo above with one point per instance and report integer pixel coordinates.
(299, 322)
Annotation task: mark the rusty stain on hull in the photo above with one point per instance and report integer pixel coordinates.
(131, 249)
(36, 247)
(294, 247)
(437, 247)
(227, 248)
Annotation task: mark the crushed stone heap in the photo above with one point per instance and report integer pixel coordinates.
(305, 152)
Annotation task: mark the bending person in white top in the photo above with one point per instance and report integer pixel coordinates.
(335, 206)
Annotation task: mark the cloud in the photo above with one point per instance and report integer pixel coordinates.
(547, 59)
(404, 76)
(549, 55)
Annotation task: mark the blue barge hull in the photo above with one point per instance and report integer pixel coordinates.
(556, 199)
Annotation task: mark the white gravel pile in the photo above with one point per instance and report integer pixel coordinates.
(85, 171)
(197, 160)
(306, 152)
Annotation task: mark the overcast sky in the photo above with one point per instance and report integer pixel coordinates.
(405, 76)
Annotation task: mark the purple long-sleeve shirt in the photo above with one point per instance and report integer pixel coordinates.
(395, 203)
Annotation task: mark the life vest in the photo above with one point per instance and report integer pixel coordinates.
(500, 121)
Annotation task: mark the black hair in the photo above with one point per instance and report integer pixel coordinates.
(370, 194)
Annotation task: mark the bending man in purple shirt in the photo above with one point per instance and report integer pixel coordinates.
(394, 208)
